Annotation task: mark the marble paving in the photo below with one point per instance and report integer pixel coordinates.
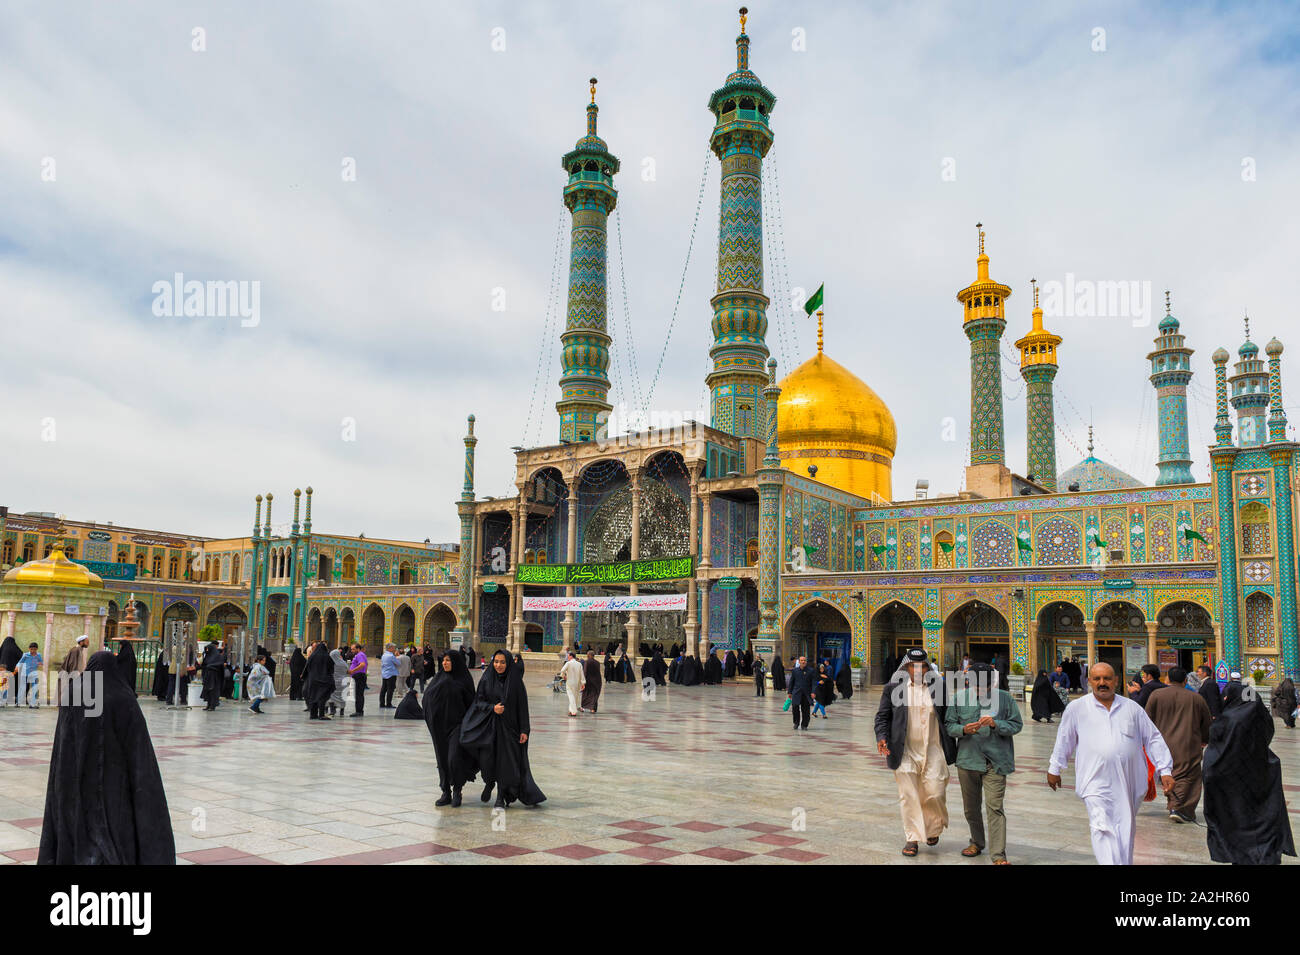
(699, 775)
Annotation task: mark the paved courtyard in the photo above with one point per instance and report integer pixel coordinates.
(699, 775)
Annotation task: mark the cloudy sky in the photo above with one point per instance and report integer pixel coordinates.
(1146, 143)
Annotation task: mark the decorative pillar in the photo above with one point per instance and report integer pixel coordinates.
(1038, 366)
(984, 302)
(517, 625)
(465, 577)
(45, 654)
(255, 575)
(1218, 642)
(304, 558)
(297, 595)
(1276, 412)
(1171, 370)
(1035, 660)
(264, 569)
(692, 635)
(1153, 630)
(706, 509)
(741, 138)
(769, 507)
(590, 197)
(1283, 455)
(1090, 633)
(633, 626)
(570, 550)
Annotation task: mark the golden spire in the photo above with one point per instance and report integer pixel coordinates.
(1038, 347)
(982, 262)
(984, 297)
(820, 313)
(744, 15)
(592, 81)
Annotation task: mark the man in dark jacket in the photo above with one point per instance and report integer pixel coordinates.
(1209, 691)
(1148, 682)
(799, 687)
(911, 737)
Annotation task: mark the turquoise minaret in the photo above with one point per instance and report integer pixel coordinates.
(769, 518)
(984, 304)
(590, 197)
(264, 570)
(741, 138)
(1223, 456)
(1171, 370)
(254, 576)
(1249, 393)
(1038, 364)
(465, 508)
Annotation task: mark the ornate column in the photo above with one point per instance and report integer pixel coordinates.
(1090, 629)
(1034, 662)
(1171, 370)
(769, 507)
(633, 628)
(1282, 454)
(465, 575)
(570, 549)
(521, 524)
(254, 576)
(1153, 630)
(297, 598)
(1222, 458)
(692, 635)
(1038, 365)
(264, 569)
(706, 503)
(304, 556)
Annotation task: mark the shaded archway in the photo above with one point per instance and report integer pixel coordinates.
(314, 624)
(347, 625)
(977, 630)
(1061, 634)
(181, 613)
(330, 627)
(110, 623)
(1121, 625)
(277, 620)
(894, 629)
(1185, 628)
(403, 625)
(228, 617)
(439, 622)
(372, 628)
(818, 629)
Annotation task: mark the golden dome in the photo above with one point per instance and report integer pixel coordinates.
(55, 569)
(828, 417)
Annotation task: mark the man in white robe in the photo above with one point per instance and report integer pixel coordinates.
(1110, 738)
(575, 679)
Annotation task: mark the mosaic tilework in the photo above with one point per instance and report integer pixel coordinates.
(993, 545)
(1259, 623)
(1059, 541)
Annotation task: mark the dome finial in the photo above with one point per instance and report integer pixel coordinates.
(1034, 283)
(744, 15)
(592, 81)
(1089, 440)
(820, 315)
(980, 226)
(1167, 305)
(1247, 320)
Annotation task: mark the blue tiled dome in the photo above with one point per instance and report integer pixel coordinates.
(1094, 474)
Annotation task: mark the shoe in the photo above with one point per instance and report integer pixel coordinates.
(444, 799)
(325, 717)
(500, 803)
(487, 792)
(971, 851)
(356, 714)
(911, 849)
(455, 797)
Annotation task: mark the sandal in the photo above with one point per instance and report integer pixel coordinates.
(911, 849)
(1001, 862)
(971, 851)
(932, 841)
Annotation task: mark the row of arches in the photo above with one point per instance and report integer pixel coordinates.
(341, 626)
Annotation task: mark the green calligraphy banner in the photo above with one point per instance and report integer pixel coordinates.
(624, 572)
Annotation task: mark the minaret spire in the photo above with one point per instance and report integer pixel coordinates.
(1171, 370)
(1249, 390)
(590, 197)
(1038, 365)
(984, 305)
(741, 138)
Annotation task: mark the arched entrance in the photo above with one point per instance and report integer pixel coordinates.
(330, 627)
(110, 624)
(404, 626)
(895, 629)
(534, 637)
(1184, 634)
(229, 618)
(277, 620)
(314, 624)
(819, 630)
(439, 622)
(1122, 638)
(176, 613)
(347, 625)
(372, 628)
(977, 630)
(1061, 634)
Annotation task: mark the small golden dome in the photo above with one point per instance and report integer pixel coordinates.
(828, 417)
(55, 569)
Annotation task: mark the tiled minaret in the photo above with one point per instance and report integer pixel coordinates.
(1249, 394)
(590, 197)
(1038, 357)
(1171, 370)
(984, 304)
(741, 138)
(461, 636)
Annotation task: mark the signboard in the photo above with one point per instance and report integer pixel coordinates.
(14, 524)
(158, 541)
(1166, 660)
(932, 624)
(1135, 658)
(490, 587)
(624, 572)
(109, 570)
(72, 608)
(1221, 674)
(620, 602)
(99, 536)
(1187, 643)
(29, 606)
(727, 583)
(1117, 584)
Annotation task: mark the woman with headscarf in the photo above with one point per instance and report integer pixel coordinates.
(712, 669)
(319, 680)
(160, 674)
(609, 667)
(104, 800)
(674, 670)
(1284, 702)
(446, 701)
(260, 685)
(729, 666)
(747, 663)
(10, 654)
(647, 669)
(778, 673)
(297, 667)
(844, 680)
(659, 669)
(824, 692)
(1044, 700)
(214, 674)
(471, 657)
(337, 704)
(591, 692)
(126, 662)
(1245, 811)
(495, 732)
(624, 671)
(409, 708)
(519, 662)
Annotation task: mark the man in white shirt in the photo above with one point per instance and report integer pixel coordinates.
(1111, 739)
(575, 680)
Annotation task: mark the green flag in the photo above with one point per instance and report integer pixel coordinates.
(1023, 544)
(1191, 535)
(1096, 539)
(809, 549)
(945, 546)
(878, 549)
(815, 302)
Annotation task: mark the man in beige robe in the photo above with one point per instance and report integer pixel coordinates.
(909, 734)
(1183, 718)
(73, 664)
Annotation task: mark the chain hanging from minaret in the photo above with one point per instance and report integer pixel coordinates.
(740, 140)
(590, 197)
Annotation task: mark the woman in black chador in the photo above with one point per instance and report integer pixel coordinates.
(446, 701)
(1245, 810)
(297, 666)
(778, 673)
(104, 801)
(659, 669)
(495, 733)
(214, 673)
(160, 674)
(126, 663)
(320, 681)
(1044, 700)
